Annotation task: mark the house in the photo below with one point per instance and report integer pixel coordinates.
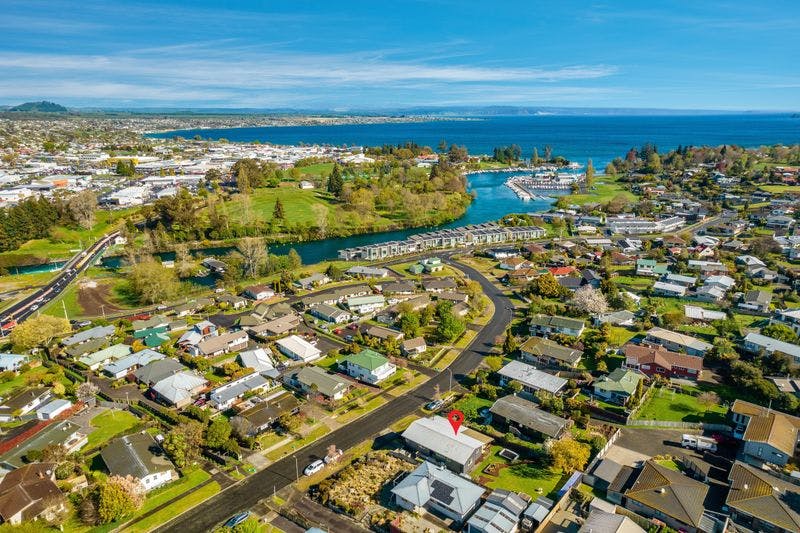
(769, 436)
(438, 490)
(756, 301)
(51, 410)
(197, 333)
(314, 280)
(30, 493)
(398, 287)
(154, 322)
(413, 347)
(62, 433)
(155, 371)
(314, 380)
(276, 326)
(298, 348)
(789, 317)
(226, 395)
(124, 366)
(434, 439)
(97, 332)
(759, 501)
(617, 386)
(658, 361)
(368, 366)
(439, 285)
(367, 272)
(179, 389)
(232, 301)
(549, 353)
(645, 267)
(515, 412)
(602, 521)
(513, 263)
(263, 415)
(544, 325)
(12, 362)
(366, 304)
(381, 333)
(258, 292)
(709, 293)
(259, 360)
(677, 342)
(693, 312)
(662, 288)
(453, 297)
(536, 513)
(331, 314)
(499, 514)
(757, 343)
(662, 493)
(615, 318)
(23, 402)
(221, 344)
(97, 359)
(531, 379)
(77, 350)
(137, 455)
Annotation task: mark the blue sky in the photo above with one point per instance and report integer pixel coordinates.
(343, 55)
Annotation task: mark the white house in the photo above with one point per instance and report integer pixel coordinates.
(139, 456)
(298, 349)
(368, 366)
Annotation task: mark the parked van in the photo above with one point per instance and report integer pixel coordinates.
(699, 443)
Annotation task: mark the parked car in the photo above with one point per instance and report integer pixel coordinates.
(434, 405)
(314, 467)
(34, 307)
(161, 307)
(237, 519)
(353, 326)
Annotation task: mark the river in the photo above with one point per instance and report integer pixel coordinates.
(493, 200)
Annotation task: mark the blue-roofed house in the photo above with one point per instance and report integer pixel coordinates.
(122, 367)
(11, 361)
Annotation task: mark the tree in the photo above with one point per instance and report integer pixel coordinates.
(610, 170)
(589, 174)
(708, 399)
(38, 331)
(277, 211)
(125, 167)
(450, 326)
(509, 343)
(569, 455)
(723, 350)
(289, 423)
(254, 254)
(653, 163)
(86, 392)
(409, 324)
(218, 433)
(183, 443)
(547, 285)
(336, 181)
(780, 332)
(118, 497)
(82, 207)
(151, 283)
(294, 260)
(589, 300)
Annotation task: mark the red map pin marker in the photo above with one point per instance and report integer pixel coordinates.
(455, 417)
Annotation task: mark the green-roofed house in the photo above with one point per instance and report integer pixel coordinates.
(368, 366)
(544, 325)
(416, 268)
(617, 386)
(545, 352)
(112, 353)
(155, 339)
(144, 333)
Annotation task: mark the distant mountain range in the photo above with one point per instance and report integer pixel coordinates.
(432, 111)
(37, 107)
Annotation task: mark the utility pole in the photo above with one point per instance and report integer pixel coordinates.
(296, 469)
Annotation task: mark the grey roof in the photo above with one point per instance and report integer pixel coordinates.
(140, 358)
(615, 317)
(500, 513)
(430, 482)
(54, 406)
(179, 386)
(773, 345)
(556, 322)
(237, 388)
(539, 509)
(158, 370)
(214, 344)
(678, 338)
(327, 384)
(96, 332)
(436, 434)
(57, 433)
(526, 414)
(607, 470)
(259, 360)
(76, 350)
(601, 521)
(529, 376)
(135, 455)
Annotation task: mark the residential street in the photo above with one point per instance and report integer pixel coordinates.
(249, 491)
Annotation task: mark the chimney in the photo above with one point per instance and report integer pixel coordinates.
(745, 486)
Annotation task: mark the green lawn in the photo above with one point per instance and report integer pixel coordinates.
(297, 204)
(70, 299)
(678, 407)
(109, 424)
(470, 405)
(620, 335)
(328, 362)
(322, 170)
(781, 189)
(352, 414)
(19, 381)
(603, 191)
(315, 434)
(527, 478)
(184, 504)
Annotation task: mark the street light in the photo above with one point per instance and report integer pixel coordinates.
(450, 386)
(296, 469)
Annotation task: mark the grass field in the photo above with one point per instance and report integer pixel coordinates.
(530, 479)
(319, 170)
(315, 434)
(677, 407)
(781, 189)
(603, 191)
(184, 504)
(109, 424)
(19, 381)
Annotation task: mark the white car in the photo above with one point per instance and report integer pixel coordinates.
(34, 307)
(314, 467)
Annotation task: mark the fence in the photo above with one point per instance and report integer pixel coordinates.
(682, 425)
(560, 504)
(590, 479)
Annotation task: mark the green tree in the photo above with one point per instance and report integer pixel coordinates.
(38, 331)
(509, 343)
(151, 283)
(450, 326)
(589, 174)
(183, 443)
(547, 285)
(335, 181)
(409, 324)
(218, 432)
(569, 455)
(278, 211)
(780, 332)
(118, 497)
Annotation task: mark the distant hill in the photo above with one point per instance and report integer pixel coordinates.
(39, 107)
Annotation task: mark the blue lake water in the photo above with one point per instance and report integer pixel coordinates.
(578, 138)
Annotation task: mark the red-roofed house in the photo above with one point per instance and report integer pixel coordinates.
(562, 272)
(658, 361)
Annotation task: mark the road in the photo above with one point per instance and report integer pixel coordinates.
(23, 309)
(249, 491)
